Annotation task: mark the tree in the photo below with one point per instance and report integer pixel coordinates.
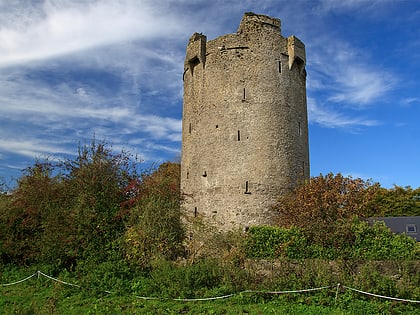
(95, 184)
(155, 229)
(397, 201)
(322, 205)
(61, 213)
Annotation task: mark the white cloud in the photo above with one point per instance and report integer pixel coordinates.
(326, 6)
(331, 118)
(410, 101)
(32, 148)
(359, 85)
(64, 27)
(346, 73)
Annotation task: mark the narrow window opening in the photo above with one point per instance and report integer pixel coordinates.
(239, 135)
(247, 188)
(188, 174)
(244, 95)
(300, 128)
(217, 126)
(279, 64)
(195, 212)
(190, 128)
(204, 174)
(193, 63)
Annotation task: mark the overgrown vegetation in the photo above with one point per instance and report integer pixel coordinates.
(102, 222)
(363, 241)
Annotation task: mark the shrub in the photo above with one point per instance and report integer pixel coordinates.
(377, 242)
(324, 203)
(203, 278)
(154, 228)
(64, 212)
(361, 241)
(274, 242)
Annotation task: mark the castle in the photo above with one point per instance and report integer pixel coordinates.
(245, 126)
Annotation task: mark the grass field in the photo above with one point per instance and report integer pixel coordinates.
(44, 296)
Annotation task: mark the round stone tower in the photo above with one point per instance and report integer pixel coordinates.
(244, 127)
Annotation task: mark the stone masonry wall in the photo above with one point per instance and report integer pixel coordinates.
(245, 128)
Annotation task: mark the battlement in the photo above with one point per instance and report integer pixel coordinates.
(296, 51)
(196, 51)
(251, 20)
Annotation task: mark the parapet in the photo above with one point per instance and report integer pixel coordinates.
(296, 51)
(196, 51)
(250, 20)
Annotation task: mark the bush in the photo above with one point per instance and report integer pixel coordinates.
(275, 242)
(321, 206)
(361, 241)
(154, 227)
(377, 242)
(61, 213)
(201, 279)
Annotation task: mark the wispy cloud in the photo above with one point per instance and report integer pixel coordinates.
(327, 6)
(346, 74)
(410, 101)
(359, 85)
(62, 27)
(332, 118)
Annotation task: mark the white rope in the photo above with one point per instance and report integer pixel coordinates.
(380, 296)
(205, 299)
(57, 280)
(233, 294)
(38, 273)
(63, 282)
(148, 298)
(20, 281)
(286, 292)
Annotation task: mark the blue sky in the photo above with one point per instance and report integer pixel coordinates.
(73, 70)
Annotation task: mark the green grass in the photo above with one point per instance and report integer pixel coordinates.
(43, 296)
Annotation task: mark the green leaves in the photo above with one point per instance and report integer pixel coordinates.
(275, 242)
(365, 242)
(377, 242)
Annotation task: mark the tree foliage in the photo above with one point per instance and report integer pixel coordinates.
(90, 209)
(154, 228)
(323, 204)
(397, 201)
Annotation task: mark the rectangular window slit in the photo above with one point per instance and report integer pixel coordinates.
(247, 188)
(195, 212)
(279, 63)
(299, 128)
(189, 128)
(244, 95)
(239, 135)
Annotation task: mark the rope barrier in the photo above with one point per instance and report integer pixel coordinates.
(20, 281)
(39, 273)
(287, 292)
(57, 280)
(380, 296)
(205, 299)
